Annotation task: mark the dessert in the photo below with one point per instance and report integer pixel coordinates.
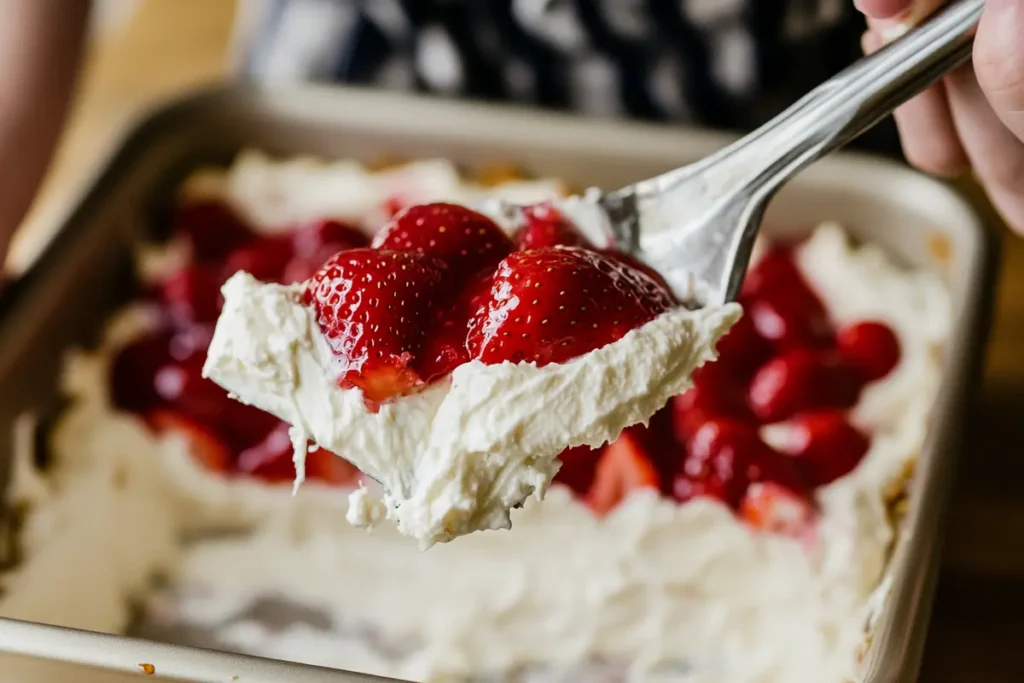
(652, 558)
(452, 368)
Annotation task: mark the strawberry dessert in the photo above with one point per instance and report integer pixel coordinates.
(452, 365)
(719, 487)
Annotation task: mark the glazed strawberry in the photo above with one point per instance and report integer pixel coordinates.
(777, 270)
(467, 241)
(265, 258)
(552, 305)
(715, 393)
(269, 459)
(206, 447)
(742, 350)
(326, 467)
(631, 261)
(623, 467)
(825, 445)
(192, 295)
(578, 468)
(374, 307)
(212, 227)
(311, 239)
(801, 380)
(870, 347)
(724, 457)
(791, 320)
(768, 506)
(445, 348)
(132, 371)
(546, 226)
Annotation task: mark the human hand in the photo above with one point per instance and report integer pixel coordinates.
(973, 118)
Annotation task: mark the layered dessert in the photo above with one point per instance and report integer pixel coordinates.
(741, 534)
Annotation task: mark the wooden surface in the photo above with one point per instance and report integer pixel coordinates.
(977, 631)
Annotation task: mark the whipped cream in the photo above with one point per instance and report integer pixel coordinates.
(654, 591)
(457, 456)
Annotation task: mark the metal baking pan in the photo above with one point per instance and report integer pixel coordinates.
(63, 299)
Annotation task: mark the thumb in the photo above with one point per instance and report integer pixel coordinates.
(999, 61)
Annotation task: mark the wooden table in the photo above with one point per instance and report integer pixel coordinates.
(977, 630)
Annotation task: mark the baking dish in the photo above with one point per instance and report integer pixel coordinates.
(63, 299)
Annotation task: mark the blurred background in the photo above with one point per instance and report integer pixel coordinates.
(142, 51)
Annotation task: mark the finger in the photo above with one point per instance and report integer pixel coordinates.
(927, 134)
(882, 9)
(994, 151)
(999, 61)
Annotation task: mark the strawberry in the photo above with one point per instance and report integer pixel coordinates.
(742, 350)
(870, 347)
(206, 447)
(724, 456)
(311, 239)
(374, 307)
(715, 393)
(545, 226)
(552, 305)
(622, 467)
(445, 348)
(579, 466)
(212, 227)
(467, 241)
(802, 380)
(192, 295)
(825, 445)
(265, 258)
(324, 466)
(633, 262)
(132, 371)
(771, 507)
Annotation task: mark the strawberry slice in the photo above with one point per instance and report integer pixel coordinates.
(552, 305)
(469, 242)
(871, 347)
(578, 469)
(374, 307)
(825, 445)
(192, 295)
(546, 226)
(265, 258)
(622, 468)
(768, 506)
(311, 239)
(206, 447)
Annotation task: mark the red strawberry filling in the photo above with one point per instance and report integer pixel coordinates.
(443, 285)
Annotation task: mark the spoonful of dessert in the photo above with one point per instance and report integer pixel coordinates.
(452, 362)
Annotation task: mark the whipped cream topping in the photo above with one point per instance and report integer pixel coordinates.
(457, 456)
(654, 591)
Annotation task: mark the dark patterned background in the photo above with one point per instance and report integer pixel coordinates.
(728, 64)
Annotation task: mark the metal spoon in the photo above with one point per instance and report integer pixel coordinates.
(699, 221)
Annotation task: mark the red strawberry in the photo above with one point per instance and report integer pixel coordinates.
(311, 239)
(622, 468)
(213, 228)
(374, 307)
(579, 466)
(715, 393)
(445, 348)
(825, 445)
(206, 447)
(192, 295)
(801, 380)
(271, 458)
(132, 371)
(545, 226)
(791, 320)
(776, 270)
(742, 350)
(871, 347)
(631, 261)
(724, 457)
(324, 466)
(552, 305)
(467, 241)
(265, 259)
(768, 506)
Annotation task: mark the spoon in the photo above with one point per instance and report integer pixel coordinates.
(699, 221)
